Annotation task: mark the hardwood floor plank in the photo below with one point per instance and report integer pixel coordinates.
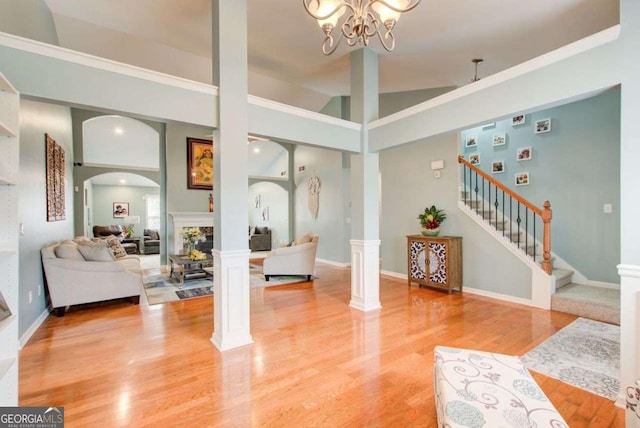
(314, 360)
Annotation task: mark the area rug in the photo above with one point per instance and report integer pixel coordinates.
(256, 278)
(159, 288)
(585, 354)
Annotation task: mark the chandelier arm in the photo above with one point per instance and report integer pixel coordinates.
(374, 27)
(392, 40)
(328, 46)
(330, 14)
(412, 5)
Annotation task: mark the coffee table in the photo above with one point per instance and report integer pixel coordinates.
(184, 269)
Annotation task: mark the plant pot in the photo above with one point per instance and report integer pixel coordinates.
(431, 232)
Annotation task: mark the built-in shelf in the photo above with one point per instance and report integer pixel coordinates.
(5, 366)
(5, 323)
(5, 131)
(6, 182)
(5, 86)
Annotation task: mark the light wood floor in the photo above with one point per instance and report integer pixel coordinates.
(314, 361)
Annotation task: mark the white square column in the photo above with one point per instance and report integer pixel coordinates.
(231, 188)
(365, 275)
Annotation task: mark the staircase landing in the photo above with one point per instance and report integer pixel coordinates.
(596, 303)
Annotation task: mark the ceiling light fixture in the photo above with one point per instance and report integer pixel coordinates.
(364, 21)
(476, 61)
(118, 130)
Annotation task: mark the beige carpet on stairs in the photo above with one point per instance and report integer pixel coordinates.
(596, 303)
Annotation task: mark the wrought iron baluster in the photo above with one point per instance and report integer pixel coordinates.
(519, 220)
(503, 212)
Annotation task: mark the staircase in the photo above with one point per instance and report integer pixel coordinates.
(518, 223)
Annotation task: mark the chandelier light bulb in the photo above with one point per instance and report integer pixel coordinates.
(366, 19)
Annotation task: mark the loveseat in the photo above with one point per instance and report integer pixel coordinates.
(151, 241)
(297, 258)
(259, 238)
(80, 271)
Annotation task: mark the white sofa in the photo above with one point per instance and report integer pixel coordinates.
(73, 280)
(297, 259)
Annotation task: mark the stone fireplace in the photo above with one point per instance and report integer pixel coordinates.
(181, 220)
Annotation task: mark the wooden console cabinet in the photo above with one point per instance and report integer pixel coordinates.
(435, 261)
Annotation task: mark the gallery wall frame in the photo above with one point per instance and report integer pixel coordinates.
(497, 167)
(543, 125)
(471, 141)
(120, 209)
(520, 119)
(524, 153)
(199, 164)
(522, 179)
(500, 139)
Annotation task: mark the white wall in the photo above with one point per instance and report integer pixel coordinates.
(36, 119)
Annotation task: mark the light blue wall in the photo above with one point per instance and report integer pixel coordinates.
(275, 199)
(327, 165)
(105, 196)
(36, 119)
(408, 186)
(576, 166)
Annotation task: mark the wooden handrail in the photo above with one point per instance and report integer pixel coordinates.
(544, 213)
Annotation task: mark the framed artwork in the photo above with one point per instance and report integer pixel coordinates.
(518, 120)
(474, 159)
(500, 139)
(543, 125)
(471, 141)
(55, 164)
(522, 178)
(199, 164)
(120, 209)
(524, 153)
(497, 167)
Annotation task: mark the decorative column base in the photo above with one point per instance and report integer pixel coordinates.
(231, 310)
(629, 338)
(365, 275)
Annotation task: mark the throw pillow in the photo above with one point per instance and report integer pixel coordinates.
(96, 253)
(116, 247)
(307, 237)
(68, 251)
(252, 231)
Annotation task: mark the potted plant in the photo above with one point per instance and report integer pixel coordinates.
(430, 220)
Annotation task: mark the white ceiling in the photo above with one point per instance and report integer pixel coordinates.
(435, 42)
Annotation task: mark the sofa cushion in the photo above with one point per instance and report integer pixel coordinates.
(68, 251)
(96, 253)
(262, 230)
(152, 234)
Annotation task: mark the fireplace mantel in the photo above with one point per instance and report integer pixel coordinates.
(187, 219)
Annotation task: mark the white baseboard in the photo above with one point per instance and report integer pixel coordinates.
(602, 284)
(498, 296)
(34, 327)
(394, 274)
(331, 262)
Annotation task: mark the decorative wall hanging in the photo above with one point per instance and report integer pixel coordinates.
(199, 164)
(313, 186)
(55, 179)
(543, 125)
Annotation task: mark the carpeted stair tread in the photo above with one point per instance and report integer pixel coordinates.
(596, 303)
(563, 277)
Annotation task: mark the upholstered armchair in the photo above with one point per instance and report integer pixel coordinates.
(297, 259)
(151, 241)
(260, 239)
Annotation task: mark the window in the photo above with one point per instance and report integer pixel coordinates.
(153, 211)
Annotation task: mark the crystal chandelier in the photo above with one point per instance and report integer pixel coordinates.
(365, 20)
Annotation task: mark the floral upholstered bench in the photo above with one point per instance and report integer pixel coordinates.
(481, 389)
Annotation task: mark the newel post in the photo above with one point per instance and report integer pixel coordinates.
(546, 237)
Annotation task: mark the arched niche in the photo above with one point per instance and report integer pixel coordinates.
(268, 159)
(269, 206)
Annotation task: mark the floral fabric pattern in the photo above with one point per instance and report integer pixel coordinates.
(477, 389)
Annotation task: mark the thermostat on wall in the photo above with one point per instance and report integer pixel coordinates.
(439, 164)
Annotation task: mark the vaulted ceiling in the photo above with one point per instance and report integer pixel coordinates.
(435, 42)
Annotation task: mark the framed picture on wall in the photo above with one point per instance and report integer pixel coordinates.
(497, 167)
(524, 153)
(543, 125)
(471, 141)
(518, 120)
(474, 159)
(199, 164)
(500, 139)
(120, 209)
(522, 178)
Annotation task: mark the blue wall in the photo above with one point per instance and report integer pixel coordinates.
(576, 166)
